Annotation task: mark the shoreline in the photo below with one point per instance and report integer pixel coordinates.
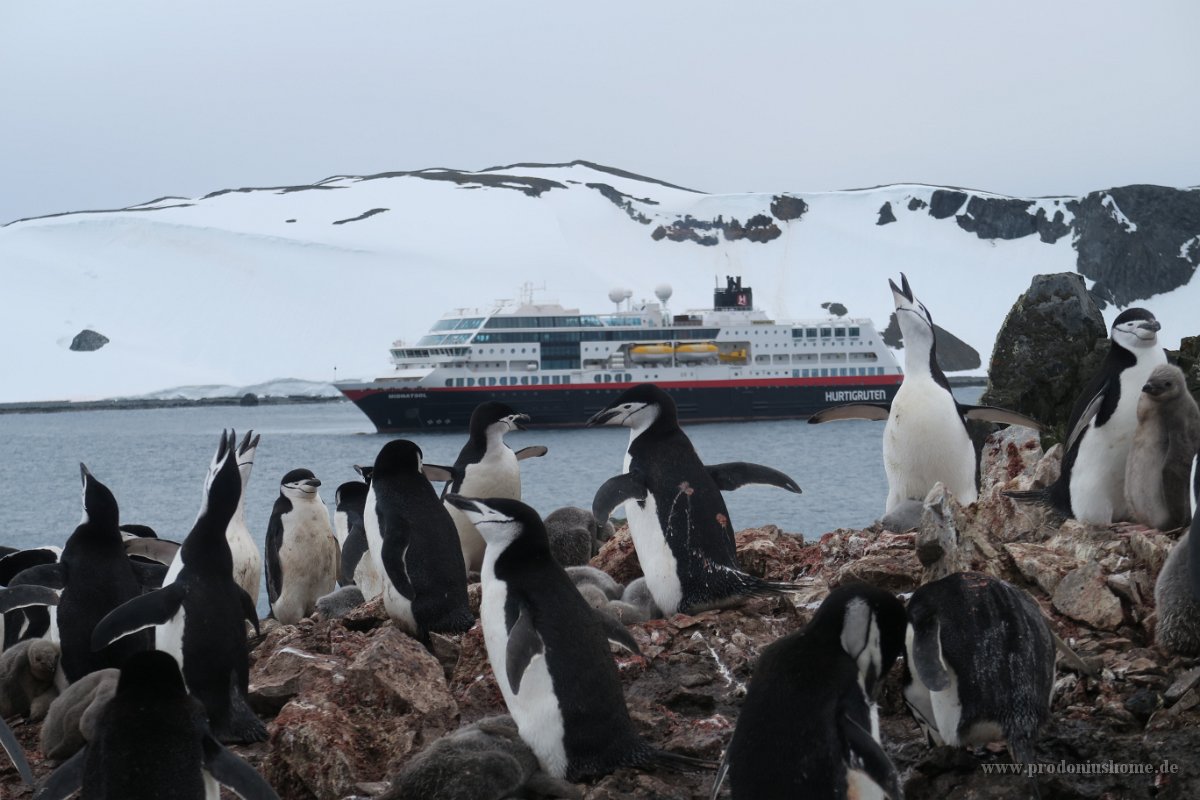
(139, 404)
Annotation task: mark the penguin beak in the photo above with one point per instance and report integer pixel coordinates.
(1151, 325)
(463, 503)
(84, 473)
(313, 482)
(516, 421)
(903, 292)
(602, 417)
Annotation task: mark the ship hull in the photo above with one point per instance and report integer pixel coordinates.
(408, 409)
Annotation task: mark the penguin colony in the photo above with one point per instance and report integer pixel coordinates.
(135, 648)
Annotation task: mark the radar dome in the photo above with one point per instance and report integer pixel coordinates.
(663, 292)
(618, 294)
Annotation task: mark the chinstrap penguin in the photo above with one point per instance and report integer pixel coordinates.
(549, 652)
(809, 726)
(1091, 485)
(247, 562)
(979, 663)
(301, 550)
(151, 742)
(349, 501)
(677, 516)
(1164, 445)
(91, 578)
(1177, 591)
(925, 439)
(200, 613)
(414, 544)
(487, 467)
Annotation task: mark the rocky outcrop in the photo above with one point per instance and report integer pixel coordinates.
(1051, 344)
(88, 341)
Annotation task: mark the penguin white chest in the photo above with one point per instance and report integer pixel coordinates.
(535, 708)
(654, 553)
(307, 561)
(1098, 474)
(924, 442)
(497, 474)
(247, 563)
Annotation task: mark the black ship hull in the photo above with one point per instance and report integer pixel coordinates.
(408, 409)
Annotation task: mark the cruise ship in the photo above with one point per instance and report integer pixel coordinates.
(731, 362)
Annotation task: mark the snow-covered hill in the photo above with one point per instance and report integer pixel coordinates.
(314, 282)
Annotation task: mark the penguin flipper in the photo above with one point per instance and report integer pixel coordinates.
(1085, 418)
(615, 491)
(722, 772)
(395, 544)
(27, 594)
(736, 474)
(150, 576)
(875, 411)
(533, 451)
(158, 550)
(144, 611)
(927, 656)
(437, 473)
(524, 644)
(249, 611)
(617, 633)
(874, 761)
(19, 561)
(1193, 540)
(274, 570)
(11, 746)
(52, 576)
(229, 770)
(1000, 415)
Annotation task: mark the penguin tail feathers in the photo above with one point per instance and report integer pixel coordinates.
(1039, 496)
(677, 762)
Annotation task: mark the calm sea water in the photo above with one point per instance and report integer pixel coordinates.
(155, 462)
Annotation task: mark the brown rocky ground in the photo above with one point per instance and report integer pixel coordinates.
(350, 701)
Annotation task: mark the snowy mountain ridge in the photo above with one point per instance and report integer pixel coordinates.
(315, 281)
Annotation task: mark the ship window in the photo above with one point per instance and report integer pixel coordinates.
(598, 379)
(826, 333)
(811, 333)
(839, 332)
(449, 381)
(628, 377)
(854, 333)
(470, 381)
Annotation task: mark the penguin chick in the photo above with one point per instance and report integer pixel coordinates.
(809, 726)
(302, 553)
(338, 604)
(71, 720)
(483, 761)
(637, 594)
(598, 578)
(1164, 443)
(573, 535)
(27, 678)
(980, 663)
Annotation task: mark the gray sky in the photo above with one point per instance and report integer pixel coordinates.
(106, 104)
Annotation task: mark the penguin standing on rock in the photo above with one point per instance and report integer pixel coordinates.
(302, 552)
(980, 663)
(809, 726)
(94, 576)
(412, 540)
(247, 563)
(1091, 485)
(349, 501)
(200, 613)
(549, 652)
(152, 742)
(925, 439)
(487, 467)
(677, 517)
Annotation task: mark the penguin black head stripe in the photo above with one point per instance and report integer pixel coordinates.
(488, 414)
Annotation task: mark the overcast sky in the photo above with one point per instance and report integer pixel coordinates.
(106, 104)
